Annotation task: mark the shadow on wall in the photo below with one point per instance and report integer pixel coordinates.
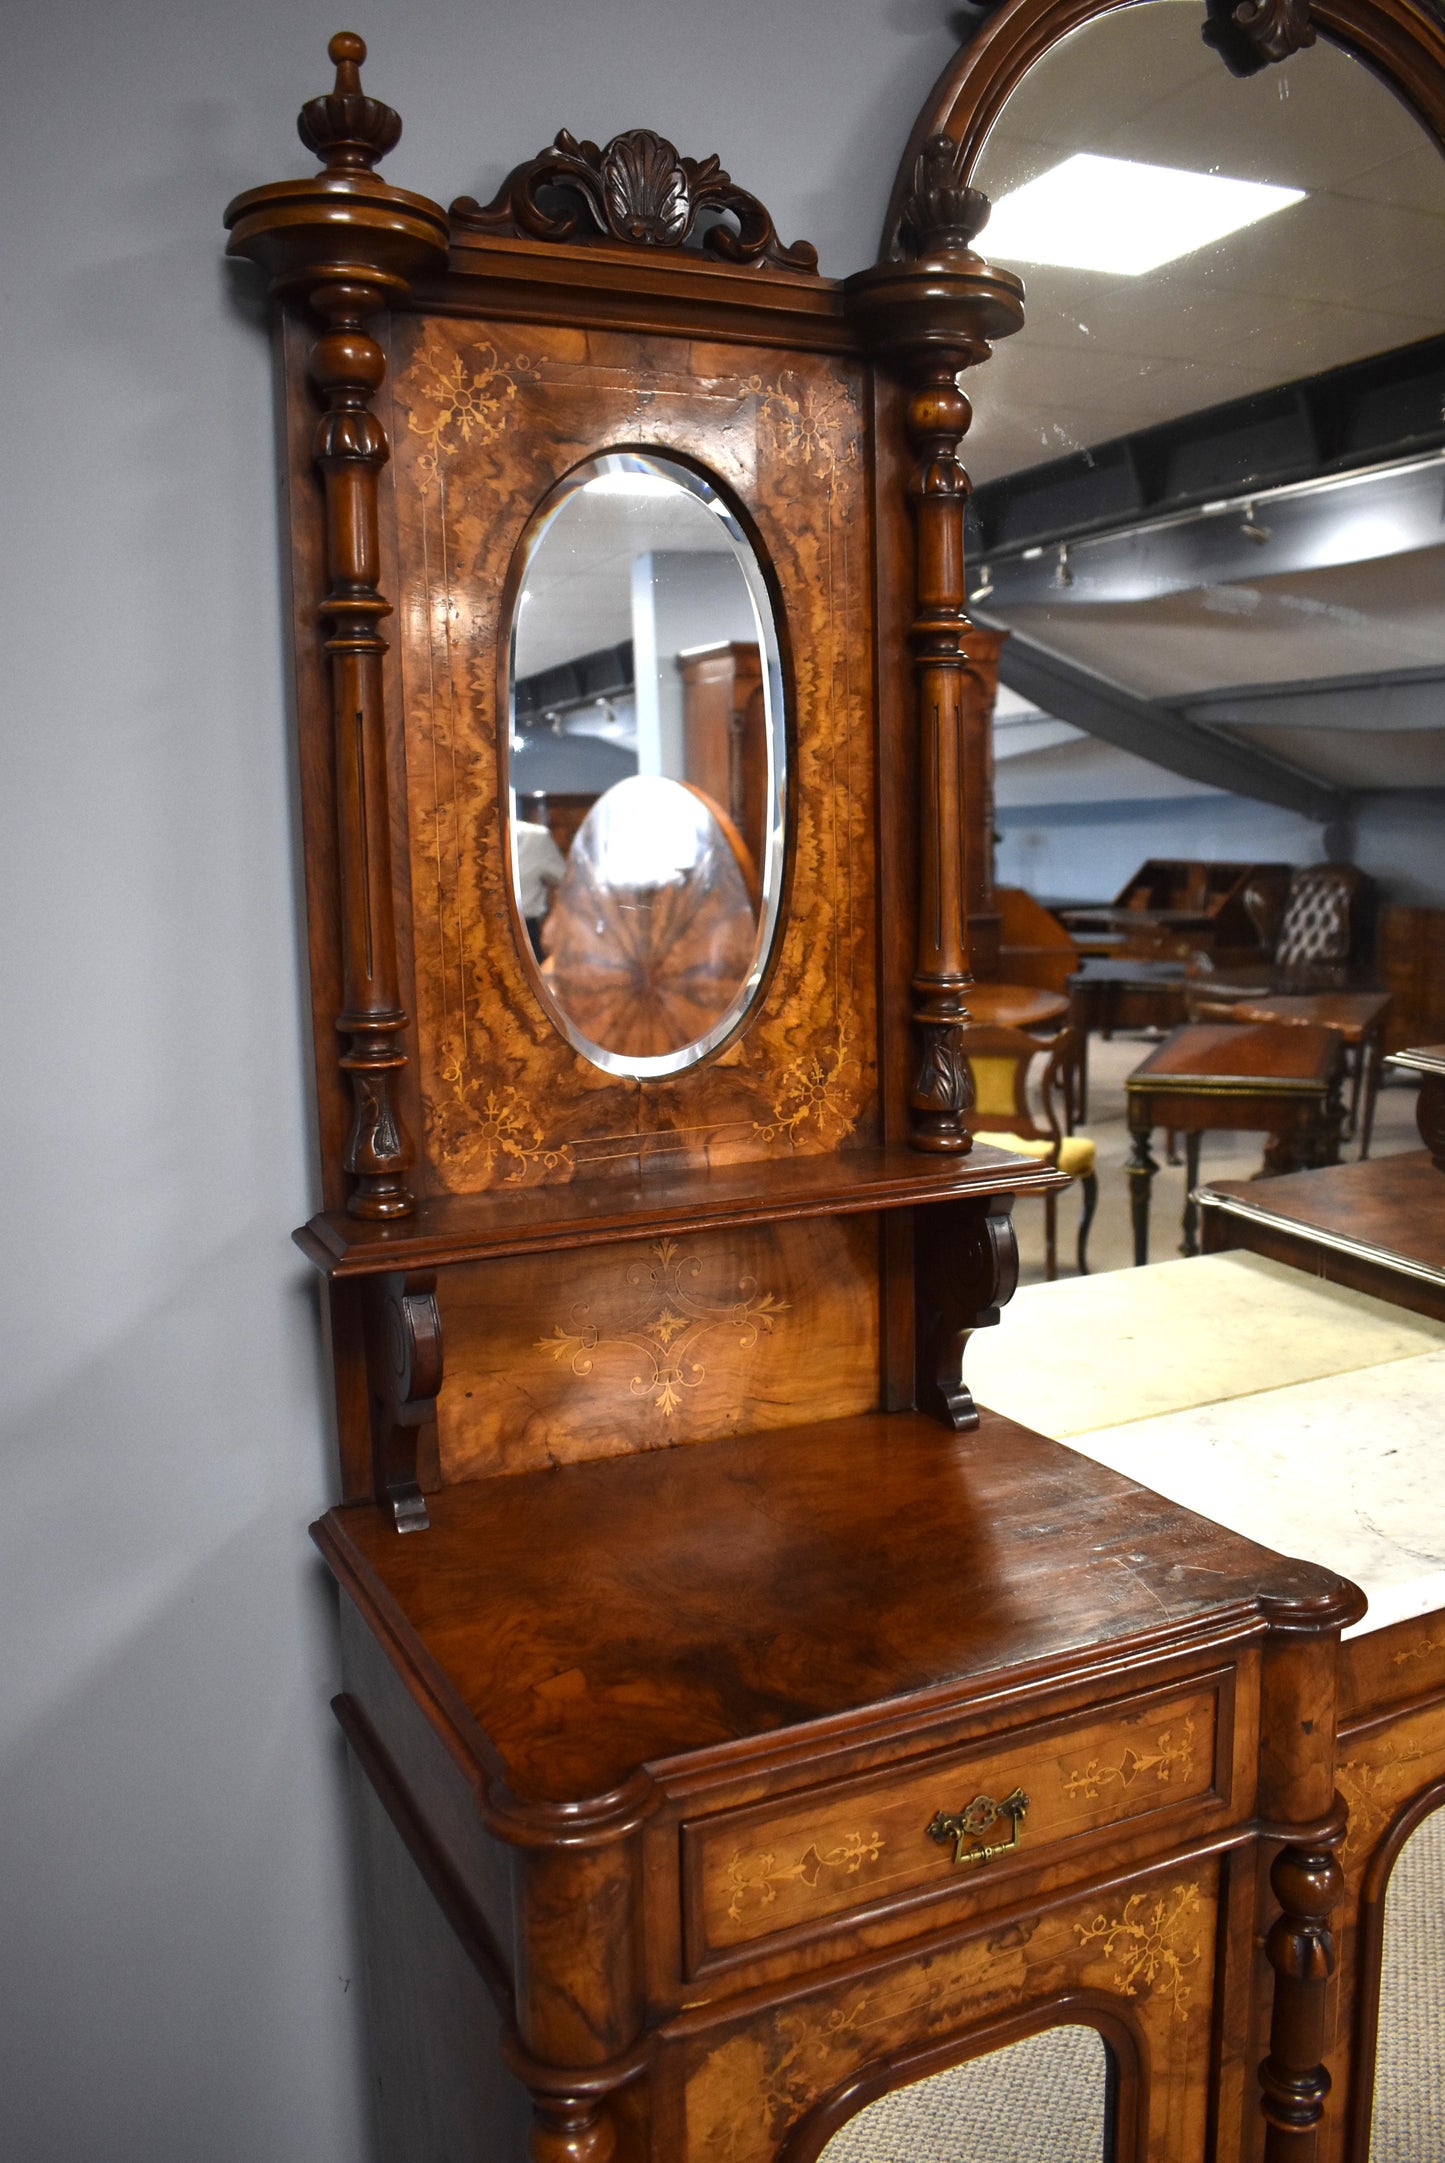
(176, 1894)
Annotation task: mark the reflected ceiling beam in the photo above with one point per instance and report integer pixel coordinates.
(1394, 699)
(1364, 414)
(1157, 733)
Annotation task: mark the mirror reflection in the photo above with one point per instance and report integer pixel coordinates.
(1209, 470)
(646, 763)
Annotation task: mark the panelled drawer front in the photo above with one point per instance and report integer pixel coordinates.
(748, 1874)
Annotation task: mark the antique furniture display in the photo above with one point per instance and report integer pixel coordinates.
(1361, 1017)
(1109, 995)
(1001, 1060)
(744, 1721)
(1016, 1006)
(1274, 1079)
(1379, 1227)
(1410, 958)
(1313, 940)
(1034, 947)
(1273, 1401)
(1171, 909)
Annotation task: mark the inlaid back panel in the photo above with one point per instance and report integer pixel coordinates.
(486, 418)
(637, 1346)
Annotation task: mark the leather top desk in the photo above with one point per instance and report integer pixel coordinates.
(1361, 1018)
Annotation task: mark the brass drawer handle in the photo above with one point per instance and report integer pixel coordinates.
(980, 1817)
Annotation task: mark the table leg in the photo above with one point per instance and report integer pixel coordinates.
(1357, 1078)
(1191, 1180)
(1141, 1169)
(1372, 1049)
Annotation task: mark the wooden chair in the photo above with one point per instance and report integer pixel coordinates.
(1000, 1060)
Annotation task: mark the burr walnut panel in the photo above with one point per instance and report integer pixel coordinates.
(641, 1345)
(487, 418)
(1143, 1952)
(752, 1873)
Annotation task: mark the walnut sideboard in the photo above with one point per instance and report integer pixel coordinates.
(744, 1723)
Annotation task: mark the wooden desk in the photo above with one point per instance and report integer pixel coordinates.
(1360, 1016)
(1378, 1227)
(1016, 1006)
(1272, 1078)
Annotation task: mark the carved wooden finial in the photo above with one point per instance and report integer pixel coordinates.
(940, 214)
(348, 131)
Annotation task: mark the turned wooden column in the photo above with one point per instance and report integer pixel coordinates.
(926, 318)
(348, 244)
(982, 649)
(1300, 1808)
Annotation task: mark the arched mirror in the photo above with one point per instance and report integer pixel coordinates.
(646, 763)
(1049, 2095)
(1209, 472)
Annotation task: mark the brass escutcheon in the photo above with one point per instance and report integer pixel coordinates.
(979, 1817)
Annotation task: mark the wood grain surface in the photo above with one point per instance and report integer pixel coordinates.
(643, 1606)
(487, 418)
(643, 1345)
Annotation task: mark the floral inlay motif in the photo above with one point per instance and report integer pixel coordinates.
(469, 403)
(1419, 1652)
(811, 1091)
(1151, 1944)
(663, 1338)
(759, 1877)
(1371, 1793)
(501, 1130)
(816, 427)
(1167, 1757)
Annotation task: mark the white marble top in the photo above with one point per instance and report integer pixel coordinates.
(1299, 1414)
(1092, 1352)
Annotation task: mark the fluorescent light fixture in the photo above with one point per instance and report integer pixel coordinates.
(1093, 213)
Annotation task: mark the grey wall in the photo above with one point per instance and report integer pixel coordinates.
(176, 1963)
(1086, 849)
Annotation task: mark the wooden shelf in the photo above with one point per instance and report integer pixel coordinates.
(529, 1220)
(708, 1598)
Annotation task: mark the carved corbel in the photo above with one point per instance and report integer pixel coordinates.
(926, 319)
(404, 1369)
(349, 244)
(967, 1271)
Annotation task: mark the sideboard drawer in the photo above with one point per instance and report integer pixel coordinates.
(749, 1874)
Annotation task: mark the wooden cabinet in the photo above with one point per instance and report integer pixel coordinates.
(744, 1721)
(1411, 967)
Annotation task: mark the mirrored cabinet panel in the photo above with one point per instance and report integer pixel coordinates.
(646, 762)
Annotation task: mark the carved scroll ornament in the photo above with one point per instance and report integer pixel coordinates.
(1249, 34)
(638, 190)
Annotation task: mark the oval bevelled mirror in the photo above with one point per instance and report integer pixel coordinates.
(646, 763)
